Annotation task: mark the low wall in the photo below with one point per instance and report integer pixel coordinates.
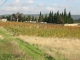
(70, 24)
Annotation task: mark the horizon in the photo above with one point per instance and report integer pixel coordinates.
(35, 6)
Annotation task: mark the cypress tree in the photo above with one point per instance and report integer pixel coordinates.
(52, 17)
(65, 15)
(57, 17)
(45, 18)
(33, 19)
(40, 18)
(69, 18)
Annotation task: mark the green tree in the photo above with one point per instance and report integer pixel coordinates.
(40, 18)
(65, 16)
(33, 18)
(17, 17)
(36, 19)
(69, 20)
(45, 18)
(55, 18)
(28, 18)
(57, 21)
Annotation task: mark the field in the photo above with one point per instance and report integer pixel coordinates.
(29, 41)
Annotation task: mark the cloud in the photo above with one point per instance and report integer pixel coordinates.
(27, 3)
(54, 5)
(51, 9)
(70, 0)
(14, 3)
(0, 2)
(35, 6)
(30, 1)
(17, 0)
(25, 8)
(42, 5)
(64, 6)
(8, 8)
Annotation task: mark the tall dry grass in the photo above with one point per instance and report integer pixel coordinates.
(56, 47)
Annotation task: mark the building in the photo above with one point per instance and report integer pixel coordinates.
(3, 20)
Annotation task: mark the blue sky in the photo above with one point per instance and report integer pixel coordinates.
(35, 6)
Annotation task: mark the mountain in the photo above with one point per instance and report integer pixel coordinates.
(36, 15)
(76, 17)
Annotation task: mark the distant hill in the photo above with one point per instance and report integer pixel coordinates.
(75, 17)
(36, 15)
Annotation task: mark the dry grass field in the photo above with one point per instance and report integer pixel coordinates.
(56, 47)
(51, 41)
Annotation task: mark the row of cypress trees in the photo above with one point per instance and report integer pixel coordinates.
(57, 18)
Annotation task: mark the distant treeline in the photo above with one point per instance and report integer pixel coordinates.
(57, 18)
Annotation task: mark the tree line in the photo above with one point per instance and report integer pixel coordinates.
(56, 18)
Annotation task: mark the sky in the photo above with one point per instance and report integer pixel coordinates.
(35, 6)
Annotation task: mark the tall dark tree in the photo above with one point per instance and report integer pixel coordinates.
(57, 21)
(50, 20)
(36, 19)
(33, 18)
(65, 16)
(52, 17)
(45, 18)
(28, 18)
(55, 18)
(69, 20)
(40, 18)
(24, 18)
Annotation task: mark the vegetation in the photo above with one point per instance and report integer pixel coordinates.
(13, 48)
(56, 18)
(44, 30)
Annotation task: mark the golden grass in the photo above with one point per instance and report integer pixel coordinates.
(55, 47)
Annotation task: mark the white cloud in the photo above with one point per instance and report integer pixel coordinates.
(51, 9)
(64, 6)
(27, 3)
(30, 1)
(14, 3)
(8, 8)
(54, 5)
(17, 0)
(35, 6)
(0, 2)
(25, 8)
(42, 5)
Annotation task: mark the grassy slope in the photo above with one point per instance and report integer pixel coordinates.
(12, 48)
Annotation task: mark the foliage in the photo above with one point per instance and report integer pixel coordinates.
(56, 18)
(44, 30)
(15, 49)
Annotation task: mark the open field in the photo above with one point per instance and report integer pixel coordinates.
(39, 41)
(43, 30)
(59, 48)
(13, 48)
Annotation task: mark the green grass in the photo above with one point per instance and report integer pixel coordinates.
(12, 48)
(15, 49)
(66, 32)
